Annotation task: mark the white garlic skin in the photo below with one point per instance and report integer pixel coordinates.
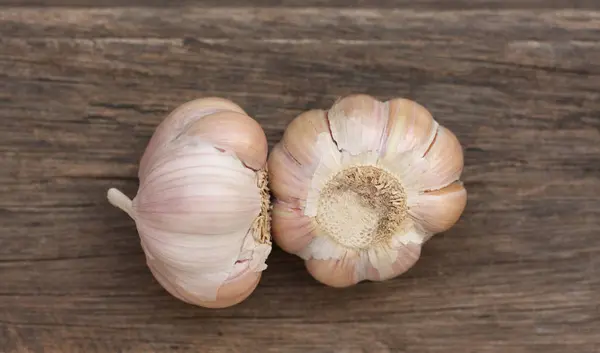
(201, 209)
(322, 213)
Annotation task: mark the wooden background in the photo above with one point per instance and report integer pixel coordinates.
(83, 83)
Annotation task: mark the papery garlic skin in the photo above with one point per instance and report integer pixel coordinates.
(361, 187)
(202, 206)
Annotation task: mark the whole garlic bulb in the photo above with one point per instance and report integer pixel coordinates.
(360, 188)
(202, 206)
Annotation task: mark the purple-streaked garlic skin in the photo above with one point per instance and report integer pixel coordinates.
(202, 206)
(361, 187)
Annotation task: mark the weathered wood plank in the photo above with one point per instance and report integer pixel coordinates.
(385, 4)
(81, 90)
(353, 24)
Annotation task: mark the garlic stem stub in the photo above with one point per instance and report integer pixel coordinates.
(361, 187)
(202, 206)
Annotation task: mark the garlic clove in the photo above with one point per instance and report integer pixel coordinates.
(406, 256)
(179, 253)
(334, 273)
(168, 285)
(437, 211)
(371, 266)
(288, 182)
(199, 201)
(445, 159)
(358, 123)
(229, 294)
(178, 120)
(410, 128)
(232, 293)
(236, 132)
(441, 165)
(191, 110)
(292, 230)
(393, 259)
(301, 136)
(185, 161)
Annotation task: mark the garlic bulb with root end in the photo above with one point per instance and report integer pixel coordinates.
(202, 206)
(360, 188)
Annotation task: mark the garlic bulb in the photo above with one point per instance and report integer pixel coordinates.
(202, 206)
(360, 188)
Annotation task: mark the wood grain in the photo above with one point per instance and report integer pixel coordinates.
(82, 86)
(377, 4)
